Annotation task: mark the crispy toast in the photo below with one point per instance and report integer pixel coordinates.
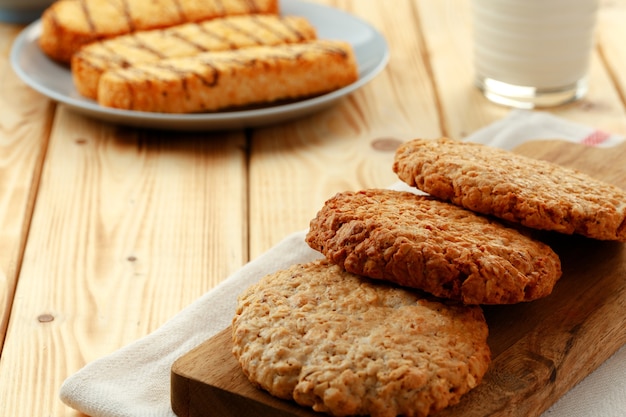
(188, 39)
(67, 25)
(220, 80)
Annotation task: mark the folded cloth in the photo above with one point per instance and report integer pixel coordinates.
(521, 126)
(134, 381)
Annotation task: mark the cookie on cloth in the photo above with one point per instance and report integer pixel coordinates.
(346, 345)
(535, 193)
(421, 242)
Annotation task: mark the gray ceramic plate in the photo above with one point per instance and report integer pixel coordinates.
(55, 81)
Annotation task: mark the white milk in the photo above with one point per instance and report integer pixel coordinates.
(542, 45)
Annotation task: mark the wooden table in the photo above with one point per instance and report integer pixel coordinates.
(107, 231)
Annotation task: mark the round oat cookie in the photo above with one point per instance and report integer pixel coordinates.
(532, 192)
(421, 242)
(346, 345)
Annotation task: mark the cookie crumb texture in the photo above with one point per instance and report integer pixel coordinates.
(346, 345)
(420, 242)
(532, 192)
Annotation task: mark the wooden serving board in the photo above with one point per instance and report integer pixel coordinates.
(540, 349)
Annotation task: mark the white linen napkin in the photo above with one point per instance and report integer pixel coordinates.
(135, 380)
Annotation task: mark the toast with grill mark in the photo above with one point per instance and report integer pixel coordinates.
(183, 40)
(215, 81)
(67, 25)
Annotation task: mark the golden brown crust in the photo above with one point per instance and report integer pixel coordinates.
(537, 194)
(67, 25)
(418, 241)
(188, 39)
(221, 80)
(346, 345)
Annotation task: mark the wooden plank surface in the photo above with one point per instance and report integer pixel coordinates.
(24, 127)
(128, 228)
(611, 34)
(540, 349)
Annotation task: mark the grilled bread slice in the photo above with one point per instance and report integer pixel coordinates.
(184, 40)
(67, 25)
(220, 80)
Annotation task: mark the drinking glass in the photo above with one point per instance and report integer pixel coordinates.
(533, 53)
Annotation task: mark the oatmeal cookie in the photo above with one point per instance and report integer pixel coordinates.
(421, 242)
(534, 193)
(346, 345)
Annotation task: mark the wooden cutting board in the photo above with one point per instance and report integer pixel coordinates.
(540, 349)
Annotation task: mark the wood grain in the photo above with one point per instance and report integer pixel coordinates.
(540, 349)
(610, 34)
(129, 227)
(24, 127)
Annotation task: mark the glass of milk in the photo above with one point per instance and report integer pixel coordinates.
(533, 53)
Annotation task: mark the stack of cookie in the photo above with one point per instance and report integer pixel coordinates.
(390, 323)
(192, 56)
